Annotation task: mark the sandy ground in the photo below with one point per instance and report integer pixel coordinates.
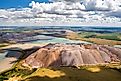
(24, 46)
(7, 63)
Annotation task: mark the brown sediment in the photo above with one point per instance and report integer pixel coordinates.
(73, 55)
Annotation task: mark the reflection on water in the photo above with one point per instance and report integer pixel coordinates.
(2, 55)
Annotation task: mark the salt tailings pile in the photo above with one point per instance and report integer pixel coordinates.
(72, 55)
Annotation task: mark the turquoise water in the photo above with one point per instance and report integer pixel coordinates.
(56, 40)
(48, 39)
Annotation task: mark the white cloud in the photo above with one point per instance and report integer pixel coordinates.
(116, 13)
(76, 11)
(65, 0)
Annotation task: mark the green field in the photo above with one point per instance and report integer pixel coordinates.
(100, 38)
(94, 73)
(108, 36)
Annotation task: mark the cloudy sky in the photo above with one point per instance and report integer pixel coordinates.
(60, 12)
(17, 3)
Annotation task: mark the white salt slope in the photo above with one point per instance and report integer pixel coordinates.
(73, 55)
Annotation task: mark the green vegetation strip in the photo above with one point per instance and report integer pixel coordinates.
(109, 36)
(83, 73)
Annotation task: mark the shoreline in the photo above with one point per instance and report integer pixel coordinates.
(7, 63)
(24, 46)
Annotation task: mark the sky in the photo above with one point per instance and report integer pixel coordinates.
(17, 3)
(60, 12)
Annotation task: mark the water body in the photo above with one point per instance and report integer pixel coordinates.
(50, 39)
(2, 55)
(56, 40)
(73, 28)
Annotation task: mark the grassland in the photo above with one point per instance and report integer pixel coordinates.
(74, 74)
(82, 73)
(3, 45)
(98, 38)
(108, 36)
